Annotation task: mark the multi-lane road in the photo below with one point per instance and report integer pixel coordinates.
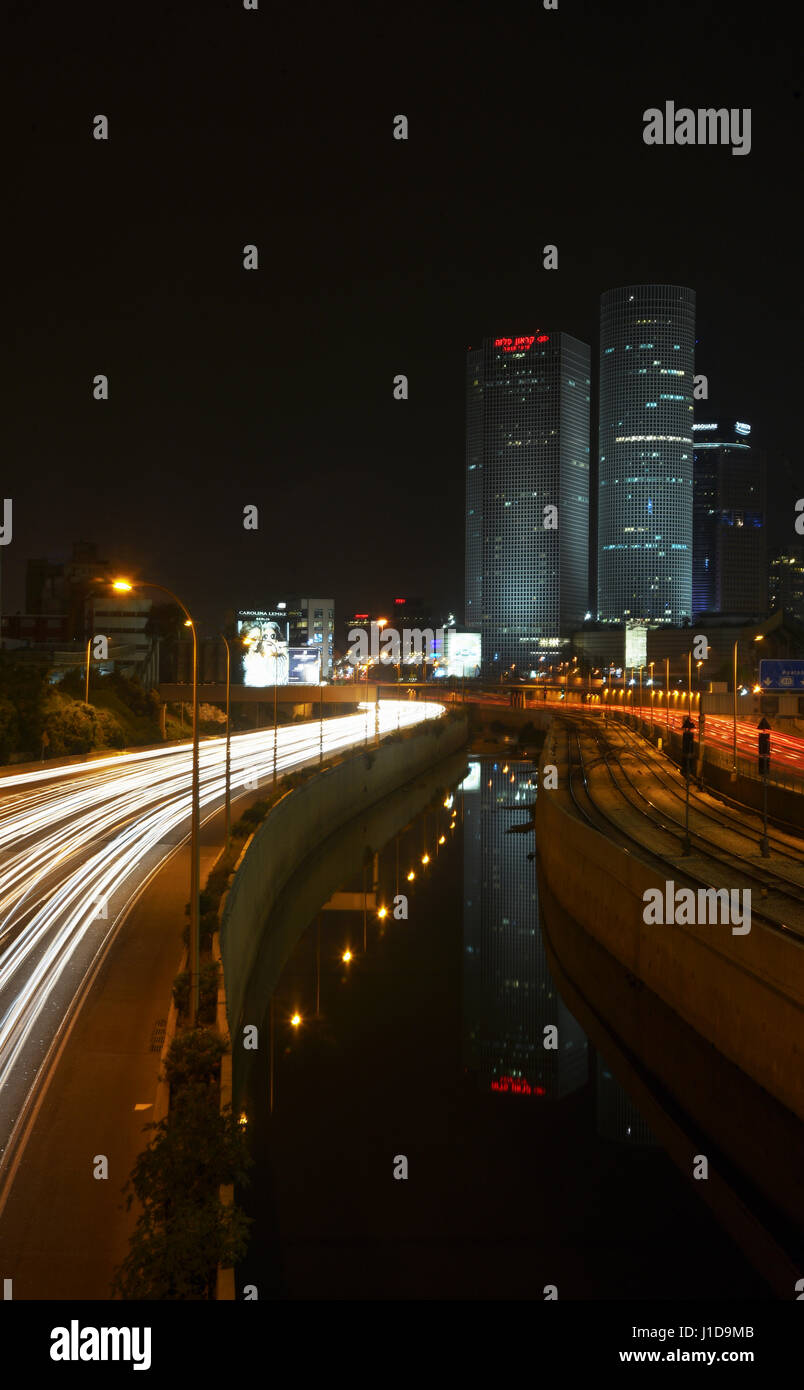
(78, 842)
(787, 751)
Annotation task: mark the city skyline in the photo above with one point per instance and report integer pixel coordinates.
(274, 387)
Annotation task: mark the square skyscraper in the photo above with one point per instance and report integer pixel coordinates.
(527, 495)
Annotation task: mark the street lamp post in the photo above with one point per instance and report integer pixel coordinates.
(275, 730)
(734, 712)
(228, 799)
(651, 665)
(321, 723)
(86, 692)
(689, 682)
(122, 586)
(667, 696)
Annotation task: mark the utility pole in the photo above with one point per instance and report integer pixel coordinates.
(764, 743)
(687, 753)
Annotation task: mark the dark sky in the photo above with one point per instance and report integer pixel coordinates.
(377, 257)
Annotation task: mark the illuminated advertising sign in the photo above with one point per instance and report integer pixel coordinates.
(304, 666)
(462, 653)
(741, 427)
(521, 344)
(516, 1086)
(636, 644)
(705, 427)
(265, 650)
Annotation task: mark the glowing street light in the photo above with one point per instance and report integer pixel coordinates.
(295, 1020)
(346, 957)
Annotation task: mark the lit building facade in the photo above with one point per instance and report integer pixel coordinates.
(729, 554)
(786, 582)
(645, 461)
(527, 495)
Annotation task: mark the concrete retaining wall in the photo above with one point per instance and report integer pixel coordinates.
(744, 993)
(300, 821)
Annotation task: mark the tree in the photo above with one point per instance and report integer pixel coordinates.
(184, 1231)
(193, 1059)
(9, 728)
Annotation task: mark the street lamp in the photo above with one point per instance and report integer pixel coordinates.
(228, 799)
(123, 586)
(734, 710)
(651, 665)
(86, 693)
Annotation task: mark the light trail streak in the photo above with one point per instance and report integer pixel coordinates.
(71, 837)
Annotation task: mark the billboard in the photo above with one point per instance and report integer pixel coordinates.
(636, 644)
(266, 658)
(462, 653)
(304, 665)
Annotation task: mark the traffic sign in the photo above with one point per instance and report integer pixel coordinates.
(781, 675)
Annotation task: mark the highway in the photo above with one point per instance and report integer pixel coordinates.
(787, 751)
(78, 842)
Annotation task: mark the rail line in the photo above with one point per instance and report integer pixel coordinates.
(598, 817)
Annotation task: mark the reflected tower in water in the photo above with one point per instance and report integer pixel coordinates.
(509, 1000)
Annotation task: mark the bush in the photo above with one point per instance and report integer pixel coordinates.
(110, 732)
(71, 727)
(193, 1059)
(207, 991)
(9, 728)
(184, 1231)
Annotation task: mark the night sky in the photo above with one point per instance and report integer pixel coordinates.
(377, 257)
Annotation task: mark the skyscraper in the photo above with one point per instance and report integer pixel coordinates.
(786, 581)
(645, 476)
(729, 555)
(527, 494)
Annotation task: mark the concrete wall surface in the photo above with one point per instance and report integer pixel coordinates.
(745, 994)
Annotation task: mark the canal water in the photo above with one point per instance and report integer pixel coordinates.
(434, 1123)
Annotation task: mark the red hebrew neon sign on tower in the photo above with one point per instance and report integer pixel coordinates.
(521, 344)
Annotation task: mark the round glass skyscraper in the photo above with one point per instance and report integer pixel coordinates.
(645, 460)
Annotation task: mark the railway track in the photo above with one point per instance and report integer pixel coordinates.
(785, 895)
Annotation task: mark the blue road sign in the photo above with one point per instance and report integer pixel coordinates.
(781, 675)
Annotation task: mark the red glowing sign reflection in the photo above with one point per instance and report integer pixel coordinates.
(521, 344)
(517, 1086)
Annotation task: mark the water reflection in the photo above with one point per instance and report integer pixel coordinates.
(528, 1164)
(519, 1038)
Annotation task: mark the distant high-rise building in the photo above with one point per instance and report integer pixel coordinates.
(729, 557)
(527, 494)
(645, 463)
(786, 582)
(62, 587)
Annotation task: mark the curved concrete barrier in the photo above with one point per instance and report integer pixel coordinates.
(300, 821)
(745, 994)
